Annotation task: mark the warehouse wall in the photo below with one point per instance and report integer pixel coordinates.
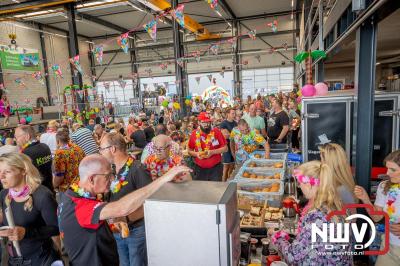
(57, 52)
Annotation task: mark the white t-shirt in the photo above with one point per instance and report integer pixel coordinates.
(50, 140)
(7, 149)
(380, 201)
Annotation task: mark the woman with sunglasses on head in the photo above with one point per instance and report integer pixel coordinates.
(387, 200)
(316, 183)
(34, 211)
(335, 157)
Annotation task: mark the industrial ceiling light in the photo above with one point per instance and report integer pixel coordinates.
(219, 14)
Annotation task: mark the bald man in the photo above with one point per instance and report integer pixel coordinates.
(87, 237)
(163, 158)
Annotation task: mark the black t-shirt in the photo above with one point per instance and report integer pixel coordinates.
(87, 239)
(228, 125)
(161, 120)
(40, 223)
(149, 132)
(137, 178)
(139, 138)
(276, 122)
(40, 155)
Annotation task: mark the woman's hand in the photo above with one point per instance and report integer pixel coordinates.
(361, 194)
(395, 229)
(14, 234)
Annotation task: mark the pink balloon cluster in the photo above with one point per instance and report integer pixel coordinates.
(309, 90)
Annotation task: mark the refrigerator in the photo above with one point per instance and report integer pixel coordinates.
(193, 223)
(331, 118)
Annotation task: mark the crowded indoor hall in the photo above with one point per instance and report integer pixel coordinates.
(199, 132)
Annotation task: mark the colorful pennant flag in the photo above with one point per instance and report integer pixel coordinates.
(271, 50)
(38, 76)
(145, 86)
(57, 71)
(258, 57)
(20, 82)
(98, 53)
(155, 85)
(151, 29)
(273, 25)
(123, 42)
(197, 55)
(180, 61)
(209, 77)
(76, 64)
(214, 49)
(178, 15)
(163, 66)
(222, 73)
(166, 85)
(149, 72)
(198, 80)
(233, 42)
(285, 46)
(252, 34)
(213, 3)
(122, 83)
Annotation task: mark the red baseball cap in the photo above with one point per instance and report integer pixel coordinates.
(204, 117)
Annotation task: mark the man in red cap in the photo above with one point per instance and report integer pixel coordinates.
(206, 145)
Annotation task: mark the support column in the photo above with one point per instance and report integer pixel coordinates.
(134, 68)
(1, 81)
(92, 63)
(237, 84)
(319, 68)
(182, 89)
(364, 103)
(73, 49)
(45, 65)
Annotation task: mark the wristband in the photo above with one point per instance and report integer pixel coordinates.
(278, 235)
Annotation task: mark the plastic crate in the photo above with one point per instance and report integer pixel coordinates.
(239, 177)
(247, 200)
(273, 156)
(272, 198)
(266, 164)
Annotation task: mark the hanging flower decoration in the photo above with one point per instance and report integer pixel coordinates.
(214, 49)
(213, 3)
(273, 25)
(123, 42)
(98, 53)
(57, 71)
(233, 42)
(76, 64)
(38, 76)
(180, 61)
(20, 82)
(252, 34)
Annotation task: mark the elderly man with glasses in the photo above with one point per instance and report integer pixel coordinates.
(83, 217)
(163, 159)
(206, 144)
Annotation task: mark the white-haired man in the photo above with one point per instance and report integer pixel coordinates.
(87, 237)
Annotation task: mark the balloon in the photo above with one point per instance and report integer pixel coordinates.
(22, 121)
(299, 106)
(160, 99)
(298, 99)
(96, 110)
(28, 119)
(177, 106)
(299, 93)
(321, 89)
(308, 90)
(165, 103)
(187, 102)
(170, 105)
(70, 113)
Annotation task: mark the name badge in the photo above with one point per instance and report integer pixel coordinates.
(215, 142)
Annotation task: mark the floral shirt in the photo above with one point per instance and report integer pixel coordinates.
(245, 144)
(66, 162)
(158, 168)
(299, 252)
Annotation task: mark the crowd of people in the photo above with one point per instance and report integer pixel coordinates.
(98, 175)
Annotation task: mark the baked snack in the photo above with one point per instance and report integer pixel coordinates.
(278, 165)
(256, 211)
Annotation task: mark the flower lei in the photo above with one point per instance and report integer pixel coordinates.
(249, 141)
(313, 181)
(81, 192)
(278, 235)
(118, 183)
(158, 167)
(26, 145)
(209, 139)
(392, 195)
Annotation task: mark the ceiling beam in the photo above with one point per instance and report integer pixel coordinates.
(227, 9)
(58, 29)
(102, 22)
(31, 6)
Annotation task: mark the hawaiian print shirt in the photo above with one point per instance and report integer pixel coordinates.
(158, 168)
(66, 162)
(245, 144)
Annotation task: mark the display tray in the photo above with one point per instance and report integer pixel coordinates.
(247, 199)
(259, 155)
(268, 187)
(255, 174)
(249, 220)
(265, 164)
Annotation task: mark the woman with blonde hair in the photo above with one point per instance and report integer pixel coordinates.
(334, 155)
(34, 211)
(316, 183)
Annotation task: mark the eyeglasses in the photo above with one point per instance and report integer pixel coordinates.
(161, 149)
(107, 176)
(105, 148)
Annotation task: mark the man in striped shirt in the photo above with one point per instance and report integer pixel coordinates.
(83, 137)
